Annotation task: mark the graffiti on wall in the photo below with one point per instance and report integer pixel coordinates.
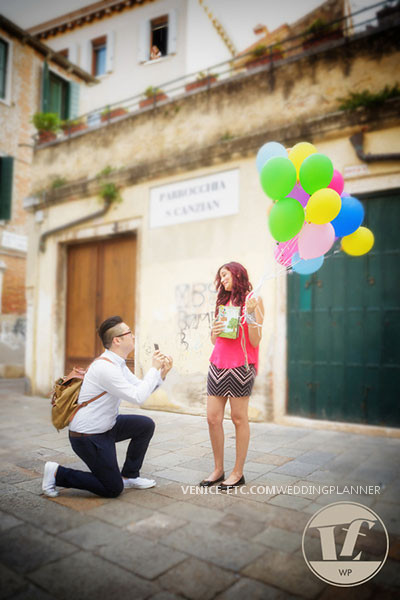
(195, 304)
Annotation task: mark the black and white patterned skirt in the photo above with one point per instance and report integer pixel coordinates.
(236, 383)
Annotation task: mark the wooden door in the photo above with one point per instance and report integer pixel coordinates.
(101, 282)
(344, 326)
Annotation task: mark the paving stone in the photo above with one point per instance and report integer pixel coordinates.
(166, 596)
(289, 501)
(230, 552)
(239, 526)
(94, 535)
(145, 498)
(31, 593)
(189, 512)
(25, 548)
(287, 541)
(272, 459)
(83, 576)
(318, 457)
(289, 451)
(196, 579)
(120, 513)
(296, 467)
(285, 571)
(40, 511)
(171, 490)
(274, 478)
(8, 521)
(167, 460)
(156, 526)
(249, 589)
(182, 475)
(142, 557)
(10, 582)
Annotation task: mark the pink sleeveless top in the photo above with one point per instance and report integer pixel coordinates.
(228, 353)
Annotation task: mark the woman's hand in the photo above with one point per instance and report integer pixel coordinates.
(252, 303)
(255, 307)
(217, 328)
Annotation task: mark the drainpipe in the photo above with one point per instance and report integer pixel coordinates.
(99, 213)
(357, 141)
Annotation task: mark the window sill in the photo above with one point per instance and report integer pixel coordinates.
(6, 101)
(156, 61)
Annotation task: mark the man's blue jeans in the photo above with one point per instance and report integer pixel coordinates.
(99, 453)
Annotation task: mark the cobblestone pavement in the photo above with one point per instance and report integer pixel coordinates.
(166, 544)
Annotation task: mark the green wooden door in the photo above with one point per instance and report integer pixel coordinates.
(344, 329)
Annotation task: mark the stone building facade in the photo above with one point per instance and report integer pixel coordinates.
(22, 59)
(182, 150)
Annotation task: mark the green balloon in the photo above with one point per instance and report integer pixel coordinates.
(278, 177)
(316, 173)
(286, 219)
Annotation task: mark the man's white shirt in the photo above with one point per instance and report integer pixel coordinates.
(119, 383)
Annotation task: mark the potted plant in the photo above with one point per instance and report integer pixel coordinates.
(112, 113)
(263, 54)
(202, 80)
(47, 125)
(320, 32)
(152, 95)
(70, 126)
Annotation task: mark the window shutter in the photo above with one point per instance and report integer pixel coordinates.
(45, 88)
(86, 58)
(3, 68)
(73, 99)
(110, 51)
(144, 41)
(6, 185)
(73, 53)
(172, 32)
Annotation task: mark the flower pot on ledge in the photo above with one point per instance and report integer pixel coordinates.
(200, 83)
(113, 114)
(152, 99)
(262, 60)
(322, 39)
(46, 136)
(70, 129)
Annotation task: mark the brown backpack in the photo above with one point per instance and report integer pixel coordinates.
(64, 399)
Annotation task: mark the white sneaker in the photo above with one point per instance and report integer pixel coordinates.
(139, 483)
(49, 479)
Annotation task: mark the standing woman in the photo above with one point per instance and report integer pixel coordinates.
(233, 368)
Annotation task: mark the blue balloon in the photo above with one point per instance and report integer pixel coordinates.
(350, 217)
(268, 151)
(306, 267)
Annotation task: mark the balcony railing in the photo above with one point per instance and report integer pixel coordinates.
(314, 40)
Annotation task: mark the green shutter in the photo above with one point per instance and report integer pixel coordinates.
(73, 100)
(45, 88)
(6, 185)
(3, 68)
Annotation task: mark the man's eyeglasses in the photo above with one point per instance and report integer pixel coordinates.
(126, 333)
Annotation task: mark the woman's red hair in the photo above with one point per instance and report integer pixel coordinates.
(241, 285)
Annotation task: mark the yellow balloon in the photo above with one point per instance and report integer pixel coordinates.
(323, 206)
(358, 243)
(299, 152)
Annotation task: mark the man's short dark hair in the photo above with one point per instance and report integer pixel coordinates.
(107, 332)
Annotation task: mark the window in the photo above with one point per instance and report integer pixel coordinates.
(159, 37)
(6, 184)
(58, 95)
(99, 55)
(3, 68)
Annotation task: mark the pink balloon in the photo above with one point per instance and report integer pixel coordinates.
(337, 182)
(315, 240)
(284, 252)
(299, 194)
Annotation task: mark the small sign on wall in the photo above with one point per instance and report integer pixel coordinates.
(195, 199)
(14, 241)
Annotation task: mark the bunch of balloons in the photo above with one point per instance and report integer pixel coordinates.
(310, 210)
